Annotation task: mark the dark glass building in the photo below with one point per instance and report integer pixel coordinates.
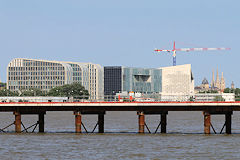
(112, 80)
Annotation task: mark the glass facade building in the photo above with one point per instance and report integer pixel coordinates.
(30, 73)
(119, 79)
(112, 80)
(167, 81)
(142, 80)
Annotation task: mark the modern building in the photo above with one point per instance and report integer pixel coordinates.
(90, 76)
(95, 80)
(177, 80)
(166, 81)
(31, 73)
(202, 97)
(119, 79)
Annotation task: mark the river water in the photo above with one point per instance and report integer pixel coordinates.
(184, 138)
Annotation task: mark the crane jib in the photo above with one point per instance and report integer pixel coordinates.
(187, 50)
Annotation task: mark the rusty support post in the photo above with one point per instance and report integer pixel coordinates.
(41, 122)
(207, 122)
(163, 123)
(17, 122)
(141, 122)
(228, 122)
(78, 122)
(101, 123)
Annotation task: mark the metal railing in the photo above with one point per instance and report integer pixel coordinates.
(208, 97)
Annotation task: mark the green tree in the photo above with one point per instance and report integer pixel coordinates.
(209, 91)
(237, 92)
(2, 85)
(191, 98)
(70, 90)
(229, 90)
(32, 92)
(6, 92)
(219, 98)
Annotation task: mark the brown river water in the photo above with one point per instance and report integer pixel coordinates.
(184, 138)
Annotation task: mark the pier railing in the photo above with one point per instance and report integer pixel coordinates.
(203, 97)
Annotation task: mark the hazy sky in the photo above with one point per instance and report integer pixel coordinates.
(123, 32)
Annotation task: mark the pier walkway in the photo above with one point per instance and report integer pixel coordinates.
(100, 109)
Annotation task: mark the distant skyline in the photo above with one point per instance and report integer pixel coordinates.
(123, 33)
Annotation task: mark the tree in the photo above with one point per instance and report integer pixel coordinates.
(219, 98)
(236, 91)
(191, 98)
(32, 92)
(2, 85)
(7, 92)
(229, 90)
(209, 91)
(70, 90)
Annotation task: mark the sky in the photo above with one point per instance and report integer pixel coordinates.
(123, 33)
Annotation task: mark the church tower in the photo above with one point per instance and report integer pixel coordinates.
(232, 85)
(213, 81)
(217, 83)
(222, 83)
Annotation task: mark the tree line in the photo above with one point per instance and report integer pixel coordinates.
(67, 90)
(235, 90)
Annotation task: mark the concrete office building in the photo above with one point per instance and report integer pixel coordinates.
(169, 82)
(90, 76)
(30, 73)
(95, 80)
(177, 79)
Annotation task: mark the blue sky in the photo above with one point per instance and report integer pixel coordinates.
(123, 33)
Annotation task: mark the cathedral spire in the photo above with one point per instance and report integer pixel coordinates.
(213, 81)
(222, 83)
(217, 83)
(232, 85)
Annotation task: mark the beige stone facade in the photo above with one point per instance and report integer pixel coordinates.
(177, 80)
(31, 73)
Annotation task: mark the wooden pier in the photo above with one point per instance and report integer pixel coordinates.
(100, 109)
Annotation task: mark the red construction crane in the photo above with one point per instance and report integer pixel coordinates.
(174, 50)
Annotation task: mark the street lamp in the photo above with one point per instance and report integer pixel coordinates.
(57, 92)
(81, 94)
(112, 95)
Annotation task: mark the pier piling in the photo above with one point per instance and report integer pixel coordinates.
(41, 122)
(78, 122)
(17, 122)
(163, 123)
(141, 122)
(101, 123)
(228, 122)
(207, 122)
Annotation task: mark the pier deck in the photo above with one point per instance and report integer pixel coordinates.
(100, 108)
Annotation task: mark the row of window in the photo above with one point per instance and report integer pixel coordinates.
(14, 83)
(35, 73)
(30, 86)
(27, 78)
(34, 68)
(39, 63)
